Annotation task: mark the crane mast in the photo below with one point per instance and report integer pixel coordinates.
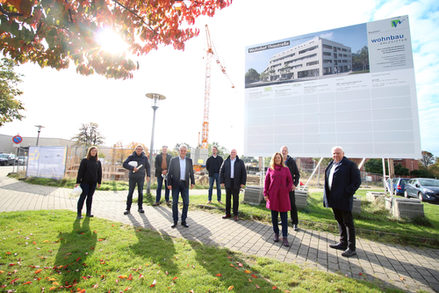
(210, 53)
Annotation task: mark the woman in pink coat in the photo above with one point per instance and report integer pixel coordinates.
(278, 183)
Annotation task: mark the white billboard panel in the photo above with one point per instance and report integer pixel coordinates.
(352, 86)
(46, 162)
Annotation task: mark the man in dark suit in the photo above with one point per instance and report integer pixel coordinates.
(179, 173)
(161, 171)
(291, 164)
(233, 176)
(342, 179)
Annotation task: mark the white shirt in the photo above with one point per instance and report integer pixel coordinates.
(331, 174)
(182, 168)
(232, 165)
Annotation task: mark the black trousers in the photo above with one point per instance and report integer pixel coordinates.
(346, 227)
(87, 195)
(232, 192)
(294, 218)
(132, 185)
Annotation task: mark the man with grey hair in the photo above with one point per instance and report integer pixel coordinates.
(342, 179)
(291, 164)
(179, 173)
(233, 176)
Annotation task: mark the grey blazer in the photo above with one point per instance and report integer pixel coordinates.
(174, 172)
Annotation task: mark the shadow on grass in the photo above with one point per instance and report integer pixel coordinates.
(154, 247)
(75, 247)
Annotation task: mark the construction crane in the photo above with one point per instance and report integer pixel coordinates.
(210, 54)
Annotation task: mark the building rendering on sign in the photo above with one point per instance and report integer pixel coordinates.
(314, 58)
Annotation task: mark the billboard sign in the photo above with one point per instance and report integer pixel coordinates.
(352, 86)
(46, 162)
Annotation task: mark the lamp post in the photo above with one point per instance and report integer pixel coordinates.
(155, 98)
(39, 130)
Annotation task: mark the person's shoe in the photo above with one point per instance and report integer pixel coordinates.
(227, 216)
(141, 211)
(338, 246)
(174, 225)
(220, 202)
(280, 222)
(276, 237)
(79, 217)
(235, 218)
(90, 216)
(155, 204)
(295, 227)
(184, 224)
(209, 202)
(349, 252)
(285, 242)
(168, 202)
(126, 212)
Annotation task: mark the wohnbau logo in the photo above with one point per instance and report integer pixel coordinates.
(395, 22)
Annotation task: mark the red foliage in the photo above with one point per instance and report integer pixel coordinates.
(53, 33)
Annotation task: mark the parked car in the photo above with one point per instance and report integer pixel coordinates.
(398, 185)
(21, 160)
(7, 159)
(425, 189)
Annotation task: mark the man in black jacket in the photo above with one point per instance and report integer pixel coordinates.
(291, 164)
(138, 165)
(161, 172)
(342, 179)
(213, 165)
(233, 176)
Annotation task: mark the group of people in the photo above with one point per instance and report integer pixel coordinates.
(342, 179)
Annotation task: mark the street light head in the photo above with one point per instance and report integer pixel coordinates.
(155, 96)
(39, 126)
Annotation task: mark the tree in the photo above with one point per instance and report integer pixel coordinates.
(222, 151)
(88, 135)
(400, 170)
(375, 166)
(427, 158)
(251, 76)
(9, 106)
(53, 33)
(360, 60)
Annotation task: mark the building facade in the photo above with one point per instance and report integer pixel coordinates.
(314, 58)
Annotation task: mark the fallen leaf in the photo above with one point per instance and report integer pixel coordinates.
(175, 278)
(239, 264)
(274, 287)
(122, 277)
(95, 286)
(218, 275)
(46, 241)
(8, 252)
(27, 283)
(153, 284)
(250, 280)
(12, 264)
(101, 239)
(1, 272)
(55, 283)
(231, 288)
(254, 276)
(232, 265)
(140, 276)
(38, 271)
(78, 259)
(247, 272)
(33, 242)
(14, 280)
(360, 274)
(51, 289)
(130, 277)
(257, 286)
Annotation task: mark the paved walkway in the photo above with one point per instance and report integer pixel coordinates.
(407, 268)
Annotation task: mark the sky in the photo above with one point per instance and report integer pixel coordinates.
(63, 100)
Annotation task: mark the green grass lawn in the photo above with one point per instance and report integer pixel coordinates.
(373, 223)
(43, 251)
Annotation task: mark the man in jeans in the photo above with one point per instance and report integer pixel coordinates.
(213, 165)
(291, 164)
(161, 172)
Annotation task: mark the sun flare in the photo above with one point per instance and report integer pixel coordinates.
(111, 42)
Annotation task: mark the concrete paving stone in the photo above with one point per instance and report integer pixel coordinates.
(308, 248)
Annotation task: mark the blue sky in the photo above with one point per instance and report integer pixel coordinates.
(62, 100)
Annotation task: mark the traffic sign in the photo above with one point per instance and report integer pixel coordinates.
(17, 139)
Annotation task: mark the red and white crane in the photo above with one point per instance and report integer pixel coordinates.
(210, 54)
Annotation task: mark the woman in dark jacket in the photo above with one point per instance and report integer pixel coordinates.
(89, 175)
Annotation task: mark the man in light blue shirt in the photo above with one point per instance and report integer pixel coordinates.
(179, 173)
